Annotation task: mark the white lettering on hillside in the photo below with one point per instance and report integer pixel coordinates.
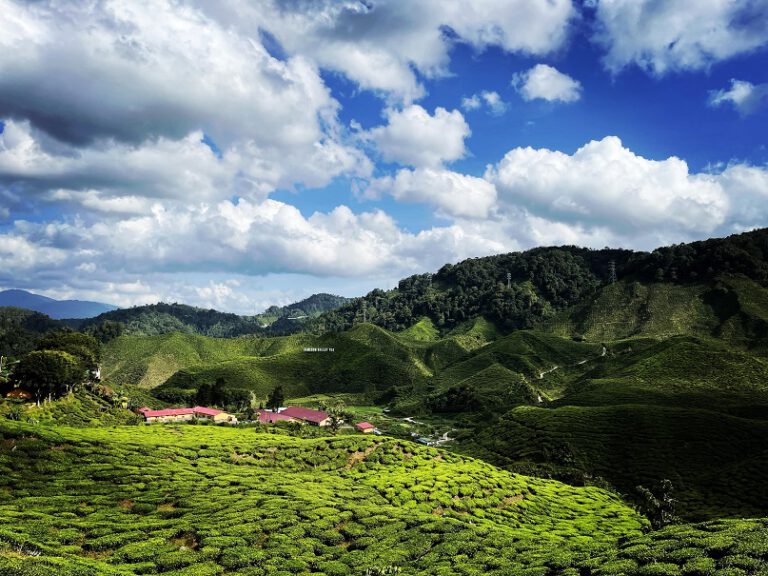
(319, 349)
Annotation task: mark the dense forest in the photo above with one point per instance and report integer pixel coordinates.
(163, 318)
(519, 289)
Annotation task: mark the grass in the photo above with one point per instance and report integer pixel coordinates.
(198, 500)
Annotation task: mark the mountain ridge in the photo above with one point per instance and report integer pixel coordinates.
(55, 309)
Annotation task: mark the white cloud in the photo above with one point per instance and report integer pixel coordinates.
(746, 97)
(678, 35)
(605, 186)
(379, 44)
(414, 137)
(453, 194)
(546, 83)
(496, 106)
(116, 89)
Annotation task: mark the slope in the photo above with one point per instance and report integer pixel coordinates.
(203, 501)
(365, 359)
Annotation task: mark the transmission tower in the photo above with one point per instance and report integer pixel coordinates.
(509, 280)
(611, 271)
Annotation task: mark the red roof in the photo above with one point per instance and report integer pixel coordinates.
(179, 412)
(365, 426)
(307, 414)
(144, 409)
(167, 412)
(206, 411)
(267, 417)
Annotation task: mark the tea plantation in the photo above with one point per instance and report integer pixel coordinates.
(193, 500)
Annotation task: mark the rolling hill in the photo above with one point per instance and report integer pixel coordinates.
(163, 318)
(205, 501)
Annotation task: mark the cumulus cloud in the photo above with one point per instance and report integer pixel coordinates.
(496, 106)
(381, 44)
(414, 137)
(605, 185)
(453, 194)
(546, 83)
(113, 89)
(677, 35)
(746, 97)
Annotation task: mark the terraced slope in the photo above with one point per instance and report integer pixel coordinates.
(365, 359)
(202, 501)
(716, 462)
(732, 308)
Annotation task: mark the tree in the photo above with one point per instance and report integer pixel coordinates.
(205, 395)
(276, 398)
(82, 346)
(658, 507)
(48, 373)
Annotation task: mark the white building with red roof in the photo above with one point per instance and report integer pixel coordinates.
(314, 417)
(187, 414)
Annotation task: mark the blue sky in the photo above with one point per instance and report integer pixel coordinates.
(238, 154)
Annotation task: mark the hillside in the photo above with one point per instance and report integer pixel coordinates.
(138, 500)
(522, 289)
(365, 359)
(194, 500)
(56, 309)
(163, 318)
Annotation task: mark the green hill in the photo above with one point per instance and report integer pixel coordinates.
(203, 500)
(365, 359)
(164, 318)
(671, 290)
(197, 500)
(731, 308)
(716, 462)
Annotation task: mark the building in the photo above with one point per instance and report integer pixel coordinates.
(314, 417)
(269, 417)
(365, 427)
(187, 414)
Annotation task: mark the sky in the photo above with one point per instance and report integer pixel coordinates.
(236, 154)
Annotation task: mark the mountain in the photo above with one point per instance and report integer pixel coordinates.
(163, 318)
(521, 289)
(56, 309)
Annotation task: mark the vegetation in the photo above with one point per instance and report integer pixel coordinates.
(21, 329)
(205, 500)
(162, 318)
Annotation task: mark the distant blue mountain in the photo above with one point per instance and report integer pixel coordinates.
(56, 309)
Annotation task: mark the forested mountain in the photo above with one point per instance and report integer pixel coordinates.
(518, 290)
(56, 309)
(163, 318)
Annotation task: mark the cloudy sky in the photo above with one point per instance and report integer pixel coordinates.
(235, 154)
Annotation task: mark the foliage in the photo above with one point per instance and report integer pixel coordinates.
(276, 398)
(48, 373)
(21, 329)
(82, 346)
(211, 500)
(657, 506)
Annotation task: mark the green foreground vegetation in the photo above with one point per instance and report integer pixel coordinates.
(194, 500)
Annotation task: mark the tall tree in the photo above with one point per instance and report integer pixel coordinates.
(276, 398)
(48, 373)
